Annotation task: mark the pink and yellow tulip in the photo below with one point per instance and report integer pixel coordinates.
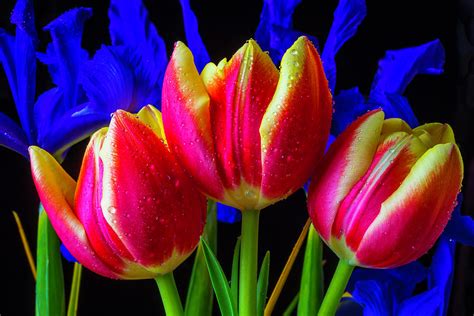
(248, 134)
(385, 192)
(133, 213)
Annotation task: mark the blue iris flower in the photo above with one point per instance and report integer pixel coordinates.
(124, 75)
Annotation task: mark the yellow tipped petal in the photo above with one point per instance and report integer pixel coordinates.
(151, 116)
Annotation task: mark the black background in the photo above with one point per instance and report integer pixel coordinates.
(224, 27)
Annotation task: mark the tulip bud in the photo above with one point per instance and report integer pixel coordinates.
(385, 192)
(248, 134)
(133, 214)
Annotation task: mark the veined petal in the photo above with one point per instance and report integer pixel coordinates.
(131, 28)
(187, 121)
(342, 168)
(17, 55)
(162, 224)
(240, 91)
(394, 237)
(296, 124)
(12, 136)
(347, 18)
(108, 81)
(56, 191)
(73, 126)
(65, 56)
(398, 67)
(201, 57)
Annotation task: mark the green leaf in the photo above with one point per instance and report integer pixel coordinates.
(50, 297)
(311, 287)
(200, 296)
(227, 304)
(262, 284)
(294, 302)
(234, 278)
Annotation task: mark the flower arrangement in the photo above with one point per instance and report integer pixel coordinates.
(165, 135)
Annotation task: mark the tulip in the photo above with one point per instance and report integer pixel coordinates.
(384, 194)
(247, 134)
(133, 213)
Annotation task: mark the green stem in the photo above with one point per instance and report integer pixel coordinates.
(169, 294)
(248, 263)
(336, 288)
(75, 287)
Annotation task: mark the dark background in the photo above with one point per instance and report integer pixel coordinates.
(224, 27)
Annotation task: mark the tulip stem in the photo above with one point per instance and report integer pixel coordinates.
(248, 263)
(169, 294)
(336, 288)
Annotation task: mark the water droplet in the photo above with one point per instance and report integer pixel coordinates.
(294, 52)
(112, 210)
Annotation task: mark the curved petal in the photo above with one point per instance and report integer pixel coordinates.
(347, 18)
(228, 214)
(131, 28)
(201, 57)
(151, 116)
(394, 237)
(296, 124)
(108, 81)
(162, 222)
(391, 163)
(73, 126)
(345, 163)
(240, 91)
(88, 210)
(187, 121)
(56, 191)
(12, 136)
(17, 55)
(64, 55)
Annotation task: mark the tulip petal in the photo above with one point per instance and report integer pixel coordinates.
(343, 166)
(157, 233)
(435, 133)
(56, 191)
(88, 209)
(392, 161)
(437, 173)
(187, 121)
(151, 116)
(240, 91)
(296, 124)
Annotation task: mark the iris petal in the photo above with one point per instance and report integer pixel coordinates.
(275, 31)
(130, 27)
(64, 55)
(17, 55)
(228, 214)
(347, 18)
(12, 136)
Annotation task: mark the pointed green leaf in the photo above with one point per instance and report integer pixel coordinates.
(200, 296)
(50, 297)
(219, 281)
(234, 278)
(262, 284)
(294, 302)
(311, 287)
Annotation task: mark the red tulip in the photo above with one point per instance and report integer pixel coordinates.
(385, 192)
(133, 213)
(248, 134)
